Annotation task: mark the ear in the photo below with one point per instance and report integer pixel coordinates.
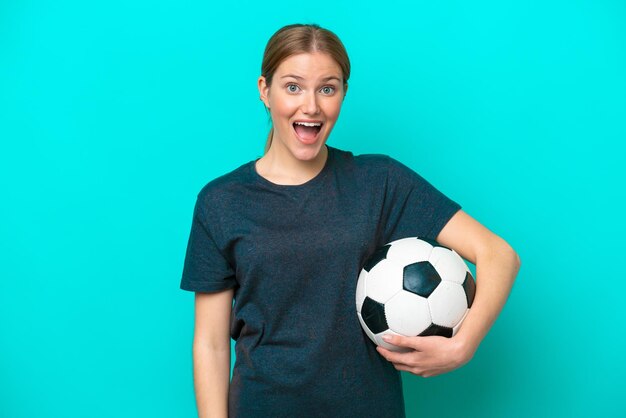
(264, 90)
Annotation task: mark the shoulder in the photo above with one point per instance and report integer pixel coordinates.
(373, 164)
(226, 186)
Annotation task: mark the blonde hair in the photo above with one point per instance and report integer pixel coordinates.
(298, 39)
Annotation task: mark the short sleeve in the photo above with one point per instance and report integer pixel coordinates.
(205, 268)
(414, 207)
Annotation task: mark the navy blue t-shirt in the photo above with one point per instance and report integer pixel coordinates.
(293, 255)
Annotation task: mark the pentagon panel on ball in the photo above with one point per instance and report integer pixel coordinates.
(413, 287)
(469, 285)
(373, 314)
(377, 257)
(420, 278)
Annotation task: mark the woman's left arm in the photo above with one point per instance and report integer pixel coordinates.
(497, 265)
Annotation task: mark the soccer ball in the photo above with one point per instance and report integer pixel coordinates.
(411, 287)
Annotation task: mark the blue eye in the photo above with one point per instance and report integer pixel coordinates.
(328, 90)
(292, 88)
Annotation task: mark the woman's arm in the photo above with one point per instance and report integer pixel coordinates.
(211, 353)
(497, 265)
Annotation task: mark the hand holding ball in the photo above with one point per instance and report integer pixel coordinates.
(413, 287)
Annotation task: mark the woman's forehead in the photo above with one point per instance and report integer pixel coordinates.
(315, 65)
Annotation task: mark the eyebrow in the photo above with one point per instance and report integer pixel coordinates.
(297, 77)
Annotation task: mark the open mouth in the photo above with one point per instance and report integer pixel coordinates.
(307, 131)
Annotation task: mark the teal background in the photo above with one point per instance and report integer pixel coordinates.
(113, 114)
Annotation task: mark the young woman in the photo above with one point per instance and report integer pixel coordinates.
(284, 238)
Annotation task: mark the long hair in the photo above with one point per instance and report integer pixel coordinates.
(298, 39)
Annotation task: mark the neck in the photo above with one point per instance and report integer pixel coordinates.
(281, 167)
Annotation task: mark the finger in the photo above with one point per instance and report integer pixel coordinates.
(389, 355)
(410, 359)
(413, 370)
(406, 368)
(402, 341)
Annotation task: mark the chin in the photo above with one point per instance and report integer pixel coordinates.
(308, 151)
(308, 154)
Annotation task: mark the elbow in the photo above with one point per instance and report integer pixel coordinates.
(512, 257)
(517, 263)
(501, 250)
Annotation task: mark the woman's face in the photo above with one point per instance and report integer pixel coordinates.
(304, 100)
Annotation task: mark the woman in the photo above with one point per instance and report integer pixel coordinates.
(285, 237)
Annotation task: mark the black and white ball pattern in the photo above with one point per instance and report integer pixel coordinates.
(412, 287)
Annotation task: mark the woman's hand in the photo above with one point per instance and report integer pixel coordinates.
(428, 356)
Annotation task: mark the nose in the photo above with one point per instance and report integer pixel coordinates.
(310, 105)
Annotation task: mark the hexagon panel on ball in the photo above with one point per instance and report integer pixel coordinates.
(447, 304)
(407, 313)
(379, 340)
(409, 250)
(449, 264)
(361, 289)
(383, 281)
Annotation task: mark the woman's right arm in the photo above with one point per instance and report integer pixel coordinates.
(211, 353)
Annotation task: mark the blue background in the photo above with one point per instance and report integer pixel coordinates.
(113, 114)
